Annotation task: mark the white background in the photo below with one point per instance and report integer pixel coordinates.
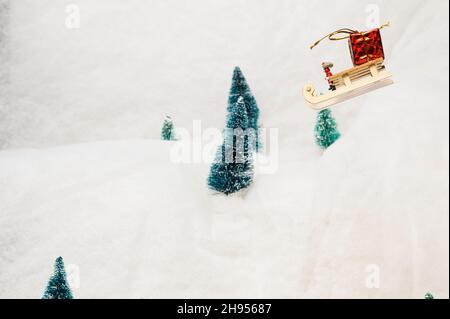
(83, 175)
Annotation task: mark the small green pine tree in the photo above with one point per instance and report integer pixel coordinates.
(167, 132)
(58, 287)
(428, 295)
(326, 132)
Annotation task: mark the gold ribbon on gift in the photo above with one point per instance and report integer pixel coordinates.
(344, 34)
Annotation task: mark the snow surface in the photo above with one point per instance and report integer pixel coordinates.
(83, 174)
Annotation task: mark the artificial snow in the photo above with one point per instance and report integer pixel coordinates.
(84, 175)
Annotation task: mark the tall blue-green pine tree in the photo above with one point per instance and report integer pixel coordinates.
(58, 287)
(326, 132)
(240, 88)
(232, 169)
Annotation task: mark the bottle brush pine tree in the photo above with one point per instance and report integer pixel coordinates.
(232, 169)
(58, 287)
(168, 131)
(326, 132)
(240, 88)
(428, 295)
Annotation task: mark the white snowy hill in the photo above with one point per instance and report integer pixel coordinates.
(83, 173)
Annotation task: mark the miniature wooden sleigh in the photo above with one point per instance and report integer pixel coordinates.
(368, 73)
(349, 83)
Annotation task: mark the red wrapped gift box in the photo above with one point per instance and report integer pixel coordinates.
(365, 46)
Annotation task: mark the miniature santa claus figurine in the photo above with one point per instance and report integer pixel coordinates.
(327, 68)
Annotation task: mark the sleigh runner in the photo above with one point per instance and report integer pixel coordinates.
(368, 73)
